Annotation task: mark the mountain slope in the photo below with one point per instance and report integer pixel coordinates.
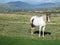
(18, 3)
(6, 7)
(49, 5)
(42, 5)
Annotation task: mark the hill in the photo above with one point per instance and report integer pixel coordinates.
(45, 5)
(18, 5)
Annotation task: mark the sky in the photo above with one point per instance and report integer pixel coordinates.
(31, 1)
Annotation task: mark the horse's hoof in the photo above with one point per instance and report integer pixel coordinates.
(43, 36)
(39, 35)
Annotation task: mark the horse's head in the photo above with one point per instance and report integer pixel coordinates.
(48, 17)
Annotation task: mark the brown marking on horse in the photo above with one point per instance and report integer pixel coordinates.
(32, 25)
(48, 16)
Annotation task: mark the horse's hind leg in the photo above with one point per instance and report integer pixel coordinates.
(32, 30)
(40, 30)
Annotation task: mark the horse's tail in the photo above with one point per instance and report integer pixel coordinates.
(31, 21)
(32, 25)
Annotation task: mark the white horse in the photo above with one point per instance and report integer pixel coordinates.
(39, 21)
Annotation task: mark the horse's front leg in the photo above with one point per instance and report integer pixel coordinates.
(43, 31)
(40, 30)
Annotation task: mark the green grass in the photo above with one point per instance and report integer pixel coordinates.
(14, 32)
(22, 41)
(23, 30)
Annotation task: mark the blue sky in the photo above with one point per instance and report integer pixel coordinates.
(30, 1)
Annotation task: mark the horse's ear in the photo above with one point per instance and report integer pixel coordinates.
(48, 13)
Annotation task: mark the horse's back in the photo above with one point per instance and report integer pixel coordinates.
(38, 21)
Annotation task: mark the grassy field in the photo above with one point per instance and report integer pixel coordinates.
(15, 30)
